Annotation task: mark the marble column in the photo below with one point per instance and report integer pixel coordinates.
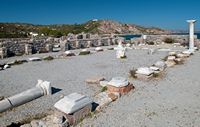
(191, 32)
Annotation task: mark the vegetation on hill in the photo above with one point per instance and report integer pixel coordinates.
(22, 30)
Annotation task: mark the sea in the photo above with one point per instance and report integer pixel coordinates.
(128, 37)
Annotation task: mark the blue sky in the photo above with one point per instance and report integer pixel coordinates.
(168, 14)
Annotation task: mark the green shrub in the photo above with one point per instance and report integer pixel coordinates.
(169, 40)
(132, 73)
(103, 89)
(84, 53)
(48, 58)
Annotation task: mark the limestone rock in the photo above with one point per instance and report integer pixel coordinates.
(170, 63)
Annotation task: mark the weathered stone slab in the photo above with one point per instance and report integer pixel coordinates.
(118, 82)
(144, 71)
(181, 55)
(94, 80)
(143, 77)
(98, 49)
(68, 53)
(72, 103)
(161, 65)
(102, 99)
(34, 59)
(171, 58)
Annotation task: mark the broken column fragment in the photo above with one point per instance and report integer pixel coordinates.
(42, 88)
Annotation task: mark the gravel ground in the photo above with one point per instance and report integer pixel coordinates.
(150, 104)
(170, 102)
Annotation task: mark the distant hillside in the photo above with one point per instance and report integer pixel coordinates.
(14, 30)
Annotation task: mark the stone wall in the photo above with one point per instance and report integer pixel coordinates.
(159, 39)
(20, 46)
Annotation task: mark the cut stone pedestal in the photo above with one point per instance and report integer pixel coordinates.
(72, 103)
(119, 85)
(79, 115)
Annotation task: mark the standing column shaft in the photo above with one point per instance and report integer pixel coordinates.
(191, 40)
(191, 46)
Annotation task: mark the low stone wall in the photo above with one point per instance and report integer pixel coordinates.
(28, 46)
(159, 39)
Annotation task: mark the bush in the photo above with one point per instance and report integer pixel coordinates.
(84, 53)
(150, 43)
(48, 58)
(169, 40)
(103, 89)
(132, 73)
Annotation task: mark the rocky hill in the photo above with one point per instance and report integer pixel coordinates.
(14, 30)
